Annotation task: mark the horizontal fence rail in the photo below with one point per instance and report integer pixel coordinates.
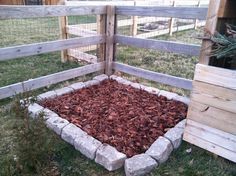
(153, 76)
(9, 11)
(175, 12)
(43, 81)
(160, 45)
(45, 47)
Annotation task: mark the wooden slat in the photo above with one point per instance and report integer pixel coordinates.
(216, 76)
(218, 150)
(7, 12)
(214, 96)
(176, 12)
(160, 45)
(213, 117)
(154, 76)
(77, 54)
(43, 81)
(80, 31)
(45, 47)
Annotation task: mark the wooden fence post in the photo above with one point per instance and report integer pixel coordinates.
(134, 27)
(196, 20)
(171, 23)
(110, 30)
(63, 21)
(101, 29)
(210, 26)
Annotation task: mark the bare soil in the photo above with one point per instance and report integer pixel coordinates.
(127, 118)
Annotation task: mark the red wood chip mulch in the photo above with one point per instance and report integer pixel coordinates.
(122, 116)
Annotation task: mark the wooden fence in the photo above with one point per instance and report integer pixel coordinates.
(106, 39)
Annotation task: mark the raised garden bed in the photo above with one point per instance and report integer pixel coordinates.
(110, 120)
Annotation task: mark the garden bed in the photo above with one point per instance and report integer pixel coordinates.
(116, 122)
(127, 118)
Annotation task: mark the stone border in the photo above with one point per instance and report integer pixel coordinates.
(104, 154)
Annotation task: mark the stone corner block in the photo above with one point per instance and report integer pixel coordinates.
(49, 114)
(182, 99)
(175, 135)
(35, 109)
(160, 149)
(49, 94)
(109, 157)
(140, 164)
(181, 124)
(152, 90)
(101, 77)
(56, 124)
(87, 145)
(137, 86)
(77, 86)
(63, 91)
(91, 83)
(168, 95)
(70, 132)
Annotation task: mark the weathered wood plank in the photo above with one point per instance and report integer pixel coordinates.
(8, 11)
(43, 81)
(218, 150)
(154, 76)
(77, 54)
(176, 12)
(101, 29)
(45, 47)
(213, 117)
(80, 31)
(110, 30)
(219, 97)
(214, 136)
(216, 76)
(160, 45)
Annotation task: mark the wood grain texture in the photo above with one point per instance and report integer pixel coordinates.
(160, 45)
(154, 76)
(110, 30)
(215, 96)
(216, 76)
(213, 117)
(7, 12)
(43, 81)
(176, 12)
(211, 139)
(45, 47)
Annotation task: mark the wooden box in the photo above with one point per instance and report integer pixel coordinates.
(211, 119)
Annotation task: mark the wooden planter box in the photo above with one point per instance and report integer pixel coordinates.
(211, 120)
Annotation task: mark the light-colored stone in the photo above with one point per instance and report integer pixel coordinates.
(101, 77)
(152, 90)
(160, 149)
(137, 86)
(182, 99)
(77, 86)
(139, 165)
(121, 80)
(91, 83)
(35, 109)
(87, 145)
(49, 114)
(114, 77)
(175, 135)
(181, 124)
(70, 132)
(168, 95)
(49, 94)
(56, 124)
(109, 157)
(63, 91)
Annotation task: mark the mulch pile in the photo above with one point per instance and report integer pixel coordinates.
(122, 116)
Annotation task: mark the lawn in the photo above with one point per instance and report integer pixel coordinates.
(64, 159)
